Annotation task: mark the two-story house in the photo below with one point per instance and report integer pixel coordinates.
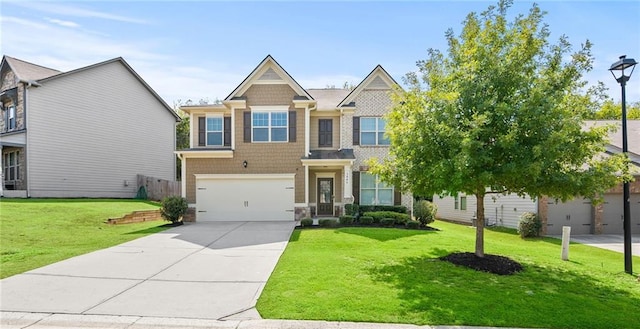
(82, 133)
(276, 151)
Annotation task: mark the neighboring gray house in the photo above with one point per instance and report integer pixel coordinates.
(82, 133)
(579, 213)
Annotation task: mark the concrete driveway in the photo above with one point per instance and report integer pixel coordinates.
(211, 270)
(613, 242)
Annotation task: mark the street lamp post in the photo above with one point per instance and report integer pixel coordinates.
(620, 66)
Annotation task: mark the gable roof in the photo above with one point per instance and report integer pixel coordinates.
(377, 79)
(27, 71)
(615, 138)
(268, 71)
(129, 68)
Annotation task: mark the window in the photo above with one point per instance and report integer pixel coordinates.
(11, 116)
(269, 126)
(455, 202)
(214, 131)
(373, 191)
(372, 131)
(463, 202)
(11, 166)
(325, 133)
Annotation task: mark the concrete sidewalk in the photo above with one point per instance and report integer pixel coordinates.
(614, 242)
(199, 270)
(15, 320)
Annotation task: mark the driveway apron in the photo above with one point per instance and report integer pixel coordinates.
(212, 270)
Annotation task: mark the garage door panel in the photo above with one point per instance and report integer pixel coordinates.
(635, 213)
(576, 213)
(613, 214)
(248, 198)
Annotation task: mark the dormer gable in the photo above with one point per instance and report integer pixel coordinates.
(269, 72)
(378, 79)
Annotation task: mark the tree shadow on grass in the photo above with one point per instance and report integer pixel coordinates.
(437, 292)
(383, 234)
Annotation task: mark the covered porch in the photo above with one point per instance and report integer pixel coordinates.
(328, 182)
(12, 162)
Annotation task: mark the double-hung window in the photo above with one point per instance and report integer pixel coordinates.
(215, 131)
(373, 191)
(372, 131)
(11, 118)
(11, 166)
(269, 126)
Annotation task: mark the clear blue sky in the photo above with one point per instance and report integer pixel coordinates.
(203, 49)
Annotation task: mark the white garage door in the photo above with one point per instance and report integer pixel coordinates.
(575, 213)
(245, 197)
(613, 214)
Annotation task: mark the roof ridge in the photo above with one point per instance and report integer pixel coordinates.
(30, 63)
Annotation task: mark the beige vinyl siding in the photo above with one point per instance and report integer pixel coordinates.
(91, 131)
(505, 210)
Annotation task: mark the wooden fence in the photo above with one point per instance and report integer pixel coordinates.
(158, 189)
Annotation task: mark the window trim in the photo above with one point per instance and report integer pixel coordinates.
(463, 202)
(8, 167)
(376, 189)
(207, 131)
(11, 118)
(376, 131)
(269, 110)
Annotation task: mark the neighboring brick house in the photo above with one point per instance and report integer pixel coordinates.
(276, 151)
(82, 133)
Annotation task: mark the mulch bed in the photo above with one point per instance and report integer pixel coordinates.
(489, 263)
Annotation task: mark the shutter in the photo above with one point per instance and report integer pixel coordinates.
(292, 126)
(227, 131)
(397, 197)
(247, 126)
(202, 131)
(356, 130)
(355, 183)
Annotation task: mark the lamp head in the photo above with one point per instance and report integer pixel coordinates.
(617, 68)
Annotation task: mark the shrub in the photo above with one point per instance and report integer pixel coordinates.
(346, 220)
(387, 222)
(425, 212)
(366, 220)
(351, 209)
(529, 225)
(173, 208)
(399, 218)
(306, 222)
(328, 222)
(413, 224)
(398, 209)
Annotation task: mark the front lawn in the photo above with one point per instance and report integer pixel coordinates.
(37, 232)
(393, 275)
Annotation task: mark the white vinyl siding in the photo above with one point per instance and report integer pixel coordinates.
(501, 210)
(93, 131)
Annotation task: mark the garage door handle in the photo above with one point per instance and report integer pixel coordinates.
(202, 188)
(289, 210)
(289, 188)
(202, 211)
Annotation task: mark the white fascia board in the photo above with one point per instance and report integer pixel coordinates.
(245, 176)
(222, 154)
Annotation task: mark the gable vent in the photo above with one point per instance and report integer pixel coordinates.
(378, 83)
(270, 75)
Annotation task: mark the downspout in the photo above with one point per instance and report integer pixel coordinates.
(27, 84)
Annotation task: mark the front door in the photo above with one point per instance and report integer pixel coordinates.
(325, 196)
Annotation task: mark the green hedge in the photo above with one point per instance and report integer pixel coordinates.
(328, 222)
(306, 222)
(398, 209)
(346, 220)
(377, 216)
(365, 220)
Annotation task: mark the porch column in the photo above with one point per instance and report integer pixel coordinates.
(191, 129)
(306, 185)
(1, 172)
(347, 190)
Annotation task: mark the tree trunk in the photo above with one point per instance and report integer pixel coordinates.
(480, 225)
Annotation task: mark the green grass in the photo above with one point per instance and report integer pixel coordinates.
(392, 275)
(38, 232)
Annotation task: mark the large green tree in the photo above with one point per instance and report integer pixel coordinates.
(613, 111)
(500, 112)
